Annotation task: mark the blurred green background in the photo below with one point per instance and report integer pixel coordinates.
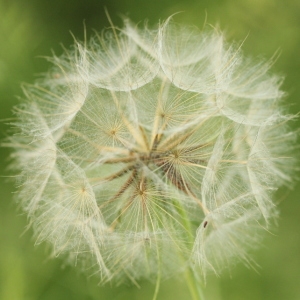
(32, 28)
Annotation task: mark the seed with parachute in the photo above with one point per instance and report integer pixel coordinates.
(145, 152)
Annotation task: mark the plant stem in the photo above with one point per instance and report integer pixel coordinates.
(193, 284)
(190, 276)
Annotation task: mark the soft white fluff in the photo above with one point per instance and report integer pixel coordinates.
(145, 152)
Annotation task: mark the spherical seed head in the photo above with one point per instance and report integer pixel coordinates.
(145, 152)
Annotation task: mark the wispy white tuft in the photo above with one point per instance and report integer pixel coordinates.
(145, 152)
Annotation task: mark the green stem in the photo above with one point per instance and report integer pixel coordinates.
(191, 277)
(193, 284)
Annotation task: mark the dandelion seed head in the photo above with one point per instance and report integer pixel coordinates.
(148, 151)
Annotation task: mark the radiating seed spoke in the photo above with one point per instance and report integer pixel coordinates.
(121, 191)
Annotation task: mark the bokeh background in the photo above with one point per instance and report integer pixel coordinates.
(30, 29)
